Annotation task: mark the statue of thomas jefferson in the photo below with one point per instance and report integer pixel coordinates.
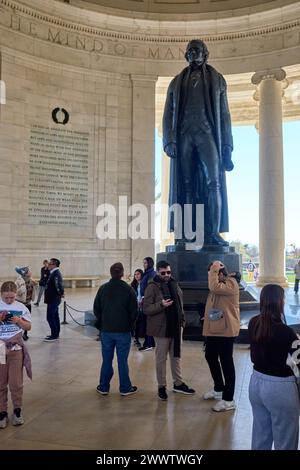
(197, 137)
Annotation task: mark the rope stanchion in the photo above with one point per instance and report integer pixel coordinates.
(66, 310)
(64, 322)
(75, 321)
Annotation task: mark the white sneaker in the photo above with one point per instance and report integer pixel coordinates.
(212, 395)
(3, 420)
(17, 420)
(224, 405)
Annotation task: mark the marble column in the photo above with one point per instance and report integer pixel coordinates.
(143, 161)
(166, 238)
(271, 181)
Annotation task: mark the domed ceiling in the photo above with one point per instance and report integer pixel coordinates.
(183, 6)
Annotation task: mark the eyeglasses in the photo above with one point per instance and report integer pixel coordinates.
(163, 273)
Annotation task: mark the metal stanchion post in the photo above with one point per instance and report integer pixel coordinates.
(64, 322)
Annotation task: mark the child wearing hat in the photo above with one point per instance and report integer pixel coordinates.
(25, 289)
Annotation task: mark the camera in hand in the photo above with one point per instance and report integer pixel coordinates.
(8, 316)
(224, 271)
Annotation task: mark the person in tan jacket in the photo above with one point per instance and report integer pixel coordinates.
(221, 327)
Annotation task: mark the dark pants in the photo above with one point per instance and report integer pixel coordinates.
(53, 318)
(198, 147)
(219, 356)
(109, 342)
(25, 334)
(149, 342)
(296, 286)
(204, 146)
(138, 327)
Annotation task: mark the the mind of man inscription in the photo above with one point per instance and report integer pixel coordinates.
(58, 176)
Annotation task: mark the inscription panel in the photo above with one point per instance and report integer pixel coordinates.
(58, 176)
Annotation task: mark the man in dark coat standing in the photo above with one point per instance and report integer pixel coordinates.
(116, 309)
(197, 136)
(54, 291)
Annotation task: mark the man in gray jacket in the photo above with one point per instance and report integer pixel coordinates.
(165, 319)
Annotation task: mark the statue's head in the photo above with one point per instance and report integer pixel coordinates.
(197, 52)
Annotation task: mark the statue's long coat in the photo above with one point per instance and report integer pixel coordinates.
(218, 114)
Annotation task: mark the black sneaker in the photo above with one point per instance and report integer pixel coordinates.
(37, 304)
(145, 348)
(162, 394)
(51, 338)
(183, 388)
(130, 392)
(102, 392)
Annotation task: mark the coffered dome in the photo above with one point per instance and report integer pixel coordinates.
(171, 7)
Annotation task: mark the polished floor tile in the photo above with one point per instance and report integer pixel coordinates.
(62, 409)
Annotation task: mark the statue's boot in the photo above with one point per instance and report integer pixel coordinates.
(216, 239)
(214, 206)
(188, 219)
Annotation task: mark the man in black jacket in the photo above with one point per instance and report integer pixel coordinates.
(115, 308)
(54, 291)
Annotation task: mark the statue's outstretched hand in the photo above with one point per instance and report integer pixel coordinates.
(171, 150)
(226, 157)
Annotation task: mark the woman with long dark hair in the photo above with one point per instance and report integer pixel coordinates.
(136, 285)
(149, 273)
(272, 391)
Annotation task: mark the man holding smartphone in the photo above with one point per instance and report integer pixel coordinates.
(165, 320)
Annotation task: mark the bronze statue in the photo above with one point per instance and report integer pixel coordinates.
(197, 136)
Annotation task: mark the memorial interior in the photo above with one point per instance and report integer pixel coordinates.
(82, 91)
(85, 85)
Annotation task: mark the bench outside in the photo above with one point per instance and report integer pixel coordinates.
(81, 281)
(71, 281)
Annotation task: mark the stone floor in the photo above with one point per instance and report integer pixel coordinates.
(63, 411)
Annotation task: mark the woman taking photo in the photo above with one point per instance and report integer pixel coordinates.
(272, 391)
(221, 327)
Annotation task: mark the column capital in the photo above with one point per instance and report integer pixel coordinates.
(274, 74)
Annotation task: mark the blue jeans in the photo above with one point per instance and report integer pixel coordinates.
(122, 343)
(53, 318)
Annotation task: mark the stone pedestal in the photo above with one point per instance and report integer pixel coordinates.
(189, 268)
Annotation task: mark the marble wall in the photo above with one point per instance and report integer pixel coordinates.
(99, 107)
(101, 69)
